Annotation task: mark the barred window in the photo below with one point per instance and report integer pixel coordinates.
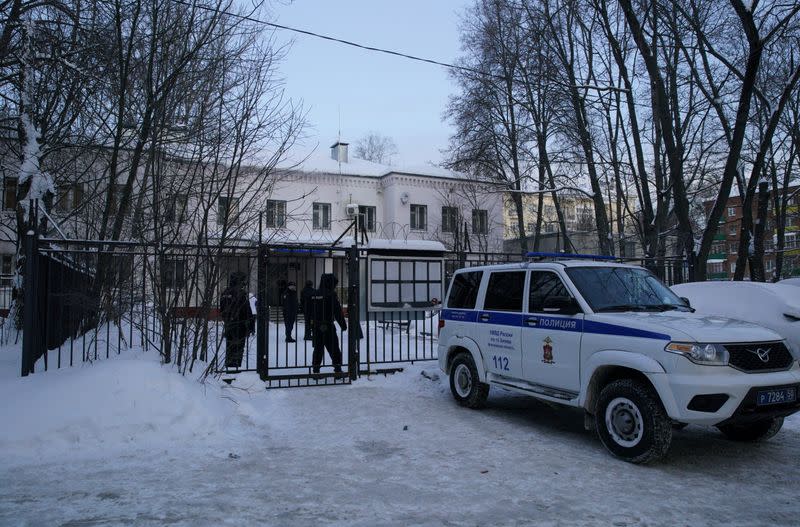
(322, 216)
(276, 213)
(449, 219)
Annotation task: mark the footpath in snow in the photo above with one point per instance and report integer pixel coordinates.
(126, 441)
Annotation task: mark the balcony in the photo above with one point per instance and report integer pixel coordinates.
(718, 256)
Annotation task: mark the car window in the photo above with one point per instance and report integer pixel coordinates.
(623, 289)
(544, 285)
(505, 291)
(464, 291)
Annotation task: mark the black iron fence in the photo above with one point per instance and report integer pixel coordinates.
(93, 299)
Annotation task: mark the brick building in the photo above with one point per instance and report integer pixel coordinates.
(722, 259)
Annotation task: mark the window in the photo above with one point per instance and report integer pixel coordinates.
(464, 291)
(368, 214)
(732, 230)
(480, 221)
(404, 282)
(322, 216)
(733, 267)
(544, 286)
(175, 208)
(173, 273)
(227, 210)
(731, 212)
(70, 197)
(10, 193)
(449, 219)
(585, 219)
(115, 198)
(550, 227)
(620, 289)
(769, 265)
(733, 248)
(505, 291)
(276, 213)
(549, 211)
(419, 217)
(717, 267)
(6, 269)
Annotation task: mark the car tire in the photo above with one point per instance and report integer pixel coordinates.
(632, 423)
(465, 384)
(750, 432)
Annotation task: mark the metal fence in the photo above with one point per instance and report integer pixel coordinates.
(93, 299)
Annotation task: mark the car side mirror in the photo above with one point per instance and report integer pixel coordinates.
(686, 301)
(563, 305)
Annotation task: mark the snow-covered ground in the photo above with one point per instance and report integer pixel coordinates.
(128, 442)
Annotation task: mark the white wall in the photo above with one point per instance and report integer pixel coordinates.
(300, 190)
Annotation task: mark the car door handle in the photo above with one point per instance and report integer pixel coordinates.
(485, 317)
(533, 322)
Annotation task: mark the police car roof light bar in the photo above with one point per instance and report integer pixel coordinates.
(568, 256)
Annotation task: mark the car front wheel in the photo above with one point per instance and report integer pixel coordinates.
(465, 384)
(631, 422)
(756, 431)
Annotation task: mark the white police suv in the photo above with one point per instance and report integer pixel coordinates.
(613, 339)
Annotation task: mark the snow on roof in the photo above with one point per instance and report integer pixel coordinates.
(407, 245)
(320, 161)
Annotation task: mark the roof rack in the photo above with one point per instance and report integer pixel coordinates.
(537, 256)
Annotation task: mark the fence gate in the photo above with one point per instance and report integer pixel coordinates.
(288, 297)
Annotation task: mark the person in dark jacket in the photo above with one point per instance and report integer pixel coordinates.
(234, 306)
(305, 306)
(289, 309)
(324, 311)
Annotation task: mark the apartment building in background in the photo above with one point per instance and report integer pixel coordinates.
(722, 259)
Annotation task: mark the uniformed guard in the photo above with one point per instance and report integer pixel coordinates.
(234, 305)
(325, 309)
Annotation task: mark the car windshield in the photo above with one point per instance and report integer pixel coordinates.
(617, 289)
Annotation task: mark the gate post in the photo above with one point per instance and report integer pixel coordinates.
(30, 335)
(353, 316)
(262, 312)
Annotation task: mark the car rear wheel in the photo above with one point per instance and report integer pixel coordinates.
(632, 423)
(465, 384)
(756, 431)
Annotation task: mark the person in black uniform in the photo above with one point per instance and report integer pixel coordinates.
(234, 305)
(305, 305)
(325, 310)
(290, 309)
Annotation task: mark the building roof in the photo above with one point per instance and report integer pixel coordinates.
(320, 161)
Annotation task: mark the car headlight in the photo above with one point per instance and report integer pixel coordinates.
(707, 354)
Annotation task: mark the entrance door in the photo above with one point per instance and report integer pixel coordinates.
(551, 342)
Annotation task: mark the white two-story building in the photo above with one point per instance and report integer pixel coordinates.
(317, 199)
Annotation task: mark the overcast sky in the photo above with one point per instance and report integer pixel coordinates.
(396, 97)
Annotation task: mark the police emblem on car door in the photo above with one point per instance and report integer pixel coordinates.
(547, 351)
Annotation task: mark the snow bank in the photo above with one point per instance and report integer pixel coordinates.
(121, 404)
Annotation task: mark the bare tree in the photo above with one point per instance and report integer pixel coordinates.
(376, 148)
